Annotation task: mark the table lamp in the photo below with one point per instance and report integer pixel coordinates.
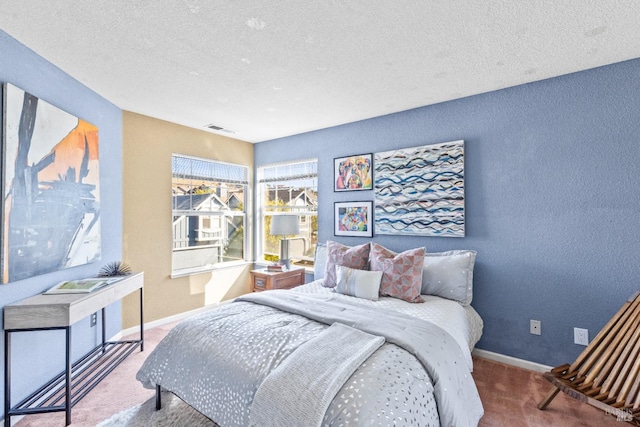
(284, 225)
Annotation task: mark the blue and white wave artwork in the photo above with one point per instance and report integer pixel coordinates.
(420, 190)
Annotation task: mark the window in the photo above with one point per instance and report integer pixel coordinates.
(289, 188)
(209, 217)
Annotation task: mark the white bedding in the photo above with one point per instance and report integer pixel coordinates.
(463, 323)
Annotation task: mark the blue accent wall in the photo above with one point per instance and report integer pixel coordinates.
(552, 173)
(39, 355)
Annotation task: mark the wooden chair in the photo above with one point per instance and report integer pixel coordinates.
(607, 373)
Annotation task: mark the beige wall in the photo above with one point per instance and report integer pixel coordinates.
(147, 234)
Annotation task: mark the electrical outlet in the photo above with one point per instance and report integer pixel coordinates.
(535, 327)
(94, 319)
(580, 336)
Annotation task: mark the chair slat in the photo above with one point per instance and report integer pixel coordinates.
(608, 373)
(603, 339)
(629, 379)
(617, 363)
(626, 370)
(633, 399)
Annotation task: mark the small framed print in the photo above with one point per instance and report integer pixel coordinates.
(353, 173)
(353, 219)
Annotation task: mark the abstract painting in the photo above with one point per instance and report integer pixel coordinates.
(50, 184)
(353, 219)
(420, 190)
(353, 173)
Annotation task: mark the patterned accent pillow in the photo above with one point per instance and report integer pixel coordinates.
(337, 254)
(358, 283)
(401, 273)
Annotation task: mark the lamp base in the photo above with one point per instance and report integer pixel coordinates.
(284, 253)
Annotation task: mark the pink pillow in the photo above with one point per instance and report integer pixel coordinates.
(353, 257)
(401, 273)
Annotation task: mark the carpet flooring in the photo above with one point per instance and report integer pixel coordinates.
(509, 396)
(174, 412)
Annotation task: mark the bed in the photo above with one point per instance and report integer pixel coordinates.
(345, 355)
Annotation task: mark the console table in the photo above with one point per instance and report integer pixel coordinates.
(61, 311)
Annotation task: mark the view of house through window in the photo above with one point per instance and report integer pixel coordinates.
(208, 199)
(289, 188)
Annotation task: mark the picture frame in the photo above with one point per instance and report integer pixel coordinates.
(61, 198)
(353, 173)
(434, 176)
(353, 219)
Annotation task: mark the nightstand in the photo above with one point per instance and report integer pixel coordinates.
(262, 280)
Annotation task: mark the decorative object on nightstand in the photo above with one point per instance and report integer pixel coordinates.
(284, 225)
(276, 267)
(265, 280)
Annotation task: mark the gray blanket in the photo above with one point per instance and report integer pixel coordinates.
(304, 374)
(456, 394)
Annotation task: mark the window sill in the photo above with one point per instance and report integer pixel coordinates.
(208, 269)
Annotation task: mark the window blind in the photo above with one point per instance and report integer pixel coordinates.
(193, 168)
(307, 169)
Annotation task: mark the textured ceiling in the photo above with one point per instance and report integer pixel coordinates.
(263, 69)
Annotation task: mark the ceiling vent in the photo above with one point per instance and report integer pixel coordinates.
(221, 129)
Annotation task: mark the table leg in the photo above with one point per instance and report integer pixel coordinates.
(7, 379)
(68, 377)
(141, 321)
(104, 327)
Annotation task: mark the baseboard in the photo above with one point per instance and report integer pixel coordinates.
(513, 361)
(165, 320)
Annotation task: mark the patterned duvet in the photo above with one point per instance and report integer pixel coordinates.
(216, 361)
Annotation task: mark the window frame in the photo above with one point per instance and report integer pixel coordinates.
(202, 215)
(262, 211)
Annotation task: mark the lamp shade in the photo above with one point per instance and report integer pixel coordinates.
(282, 225)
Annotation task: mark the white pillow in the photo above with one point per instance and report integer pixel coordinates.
(449, 275)
(358, 283)
(320, 261)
